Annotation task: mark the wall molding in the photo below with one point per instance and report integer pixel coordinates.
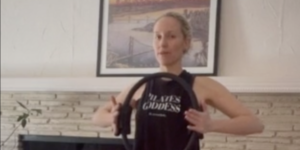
(234, 84)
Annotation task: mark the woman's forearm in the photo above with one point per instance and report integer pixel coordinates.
(102, 118)
(242, 125)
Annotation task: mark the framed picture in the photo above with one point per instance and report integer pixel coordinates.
(125, 36)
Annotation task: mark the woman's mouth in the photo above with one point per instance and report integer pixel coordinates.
(164, 53)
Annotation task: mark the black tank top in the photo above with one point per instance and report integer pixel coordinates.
(160, 122)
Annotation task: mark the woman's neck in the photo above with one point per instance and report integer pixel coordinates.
(173, 69)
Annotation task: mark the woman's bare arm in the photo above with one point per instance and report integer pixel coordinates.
(103, 116)
(242, 121)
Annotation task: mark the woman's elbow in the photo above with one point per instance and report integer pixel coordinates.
(258, 124)
(261, 127)
(95, 119)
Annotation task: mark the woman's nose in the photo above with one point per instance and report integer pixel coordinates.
(163, 42)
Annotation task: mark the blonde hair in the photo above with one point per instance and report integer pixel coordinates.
(185, 27)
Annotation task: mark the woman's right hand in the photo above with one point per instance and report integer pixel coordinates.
(115, 112)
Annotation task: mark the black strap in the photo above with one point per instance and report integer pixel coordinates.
(189, 78)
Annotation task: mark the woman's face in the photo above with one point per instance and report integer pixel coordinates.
(169, 42)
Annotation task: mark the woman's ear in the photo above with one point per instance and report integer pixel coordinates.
(188, 42)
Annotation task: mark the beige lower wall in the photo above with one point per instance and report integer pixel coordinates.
(69, 114)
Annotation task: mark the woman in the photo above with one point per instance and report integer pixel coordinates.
(165, 117)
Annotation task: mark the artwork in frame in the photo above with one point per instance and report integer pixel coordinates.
(125, 36)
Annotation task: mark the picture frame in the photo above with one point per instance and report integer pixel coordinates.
(125, 36)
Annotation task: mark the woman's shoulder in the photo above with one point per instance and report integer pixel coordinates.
(205, 81)
(211, 88)
(208, 84)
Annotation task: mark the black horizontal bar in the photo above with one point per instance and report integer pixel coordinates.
(72, 139)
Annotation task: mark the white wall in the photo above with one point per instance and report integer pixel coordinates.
(58, 38)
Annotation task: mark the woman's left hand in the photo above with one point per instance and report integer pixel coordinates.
(199, 121)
